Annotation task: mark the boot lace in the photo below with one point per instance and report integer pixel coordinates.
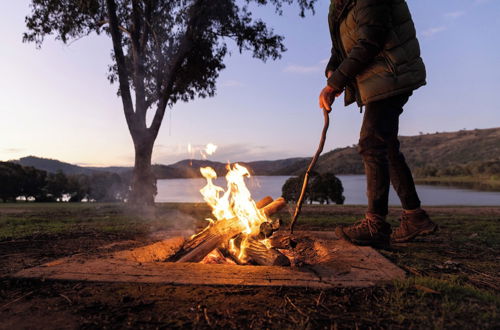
(360, 226)
(404, 219)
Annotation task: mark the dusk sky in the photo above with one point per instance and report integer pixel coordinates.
(57, 103)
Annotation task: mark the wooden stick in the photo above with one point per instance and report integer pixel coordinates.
(16, 300)
(298, 207)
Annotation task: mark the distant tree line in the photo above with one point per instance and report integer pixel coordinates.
(485, 168)
(37, 185)
(322, 188)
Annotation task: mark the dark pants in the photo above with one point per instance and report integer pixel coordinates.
(384, 162)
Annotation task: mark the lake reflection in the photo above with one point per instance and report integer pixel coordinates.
(187, 190)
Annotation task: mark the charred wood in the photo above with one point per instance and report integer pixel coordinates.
(258, 253)
(282, 242)
(217, 256)
(267, 229)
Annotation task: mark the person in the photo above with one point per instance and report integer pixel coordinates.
(375, 61)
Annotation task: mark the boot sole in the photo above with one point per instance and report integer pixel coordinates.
(377, 244)
(423, 232)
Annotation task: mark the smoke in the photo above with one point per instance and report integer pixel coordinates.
(174, 222)
(166, 220)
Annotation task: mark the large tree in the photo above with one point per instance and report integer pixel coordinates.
(163, 51)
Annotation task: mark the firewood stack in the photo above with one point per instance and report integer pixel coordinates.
(225, 238)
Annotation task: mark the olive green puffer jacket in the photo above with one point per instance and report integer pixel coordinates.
(375, 52)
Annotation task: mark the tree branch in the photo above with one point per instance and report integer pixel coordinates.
(123, 74)
(185, 47)
(121, 28)
(138, 62)
(159, 57)
(148, 11)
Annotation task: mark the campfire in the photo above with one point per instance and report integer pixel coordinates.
(239, 235)
(241, 229)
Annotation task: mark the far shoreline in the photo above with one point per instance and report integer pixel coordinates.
(462, 182)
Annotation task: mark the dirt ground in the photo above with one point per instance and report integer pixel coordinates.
(452, 282)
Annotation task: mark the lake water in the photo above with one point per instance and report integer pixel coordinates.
(187, 190)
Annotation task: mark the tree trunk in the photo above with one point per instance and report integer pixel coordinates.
(143, 184)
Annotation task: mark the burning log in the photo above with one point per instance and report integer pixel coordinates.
(221, 231)
(282, 241)
(251, 222)
(267, 229)
(256, 252)
(217, 256)
(210, 238)
(264, 201)
(260, 254)
(274, 207)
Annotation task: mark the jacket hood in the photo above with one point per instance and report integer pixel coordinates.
(339, 6)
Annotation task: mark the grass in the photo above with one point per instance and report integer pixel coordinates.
(452, 281)
(18, 220)
(441, 303)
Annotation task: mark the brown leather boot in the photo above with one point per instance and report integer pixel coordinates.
(372, 230)
(412, 224)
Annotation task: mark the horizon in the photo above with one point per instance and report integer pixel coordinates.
(231, 162)
(58, 104)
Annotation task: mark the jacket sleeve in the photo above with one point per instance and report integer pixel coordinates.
(332, 63)
(373, 18)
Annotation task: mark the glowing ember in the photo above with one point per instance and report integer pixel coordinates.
(234, 202)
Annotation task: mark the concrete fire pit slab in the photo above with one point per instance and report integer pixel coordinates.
(333, 263)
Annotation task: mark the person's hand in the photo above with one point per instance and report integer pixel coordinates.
(326, 98)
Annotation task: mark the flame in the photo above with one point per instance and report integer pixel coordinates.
(234, 202)
(210, 149)
(204, 151)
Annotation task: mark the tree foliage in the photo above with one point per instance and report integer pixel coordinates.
(33, 184)
(471, 169)
(57, 185)
(321, 188)
(12, 181)
(172, 49)
(163, 51)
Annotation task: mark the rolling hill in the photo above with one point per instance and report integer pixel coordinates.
(439, 154)
(466, 152)
(54, 165)
(183, 169)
